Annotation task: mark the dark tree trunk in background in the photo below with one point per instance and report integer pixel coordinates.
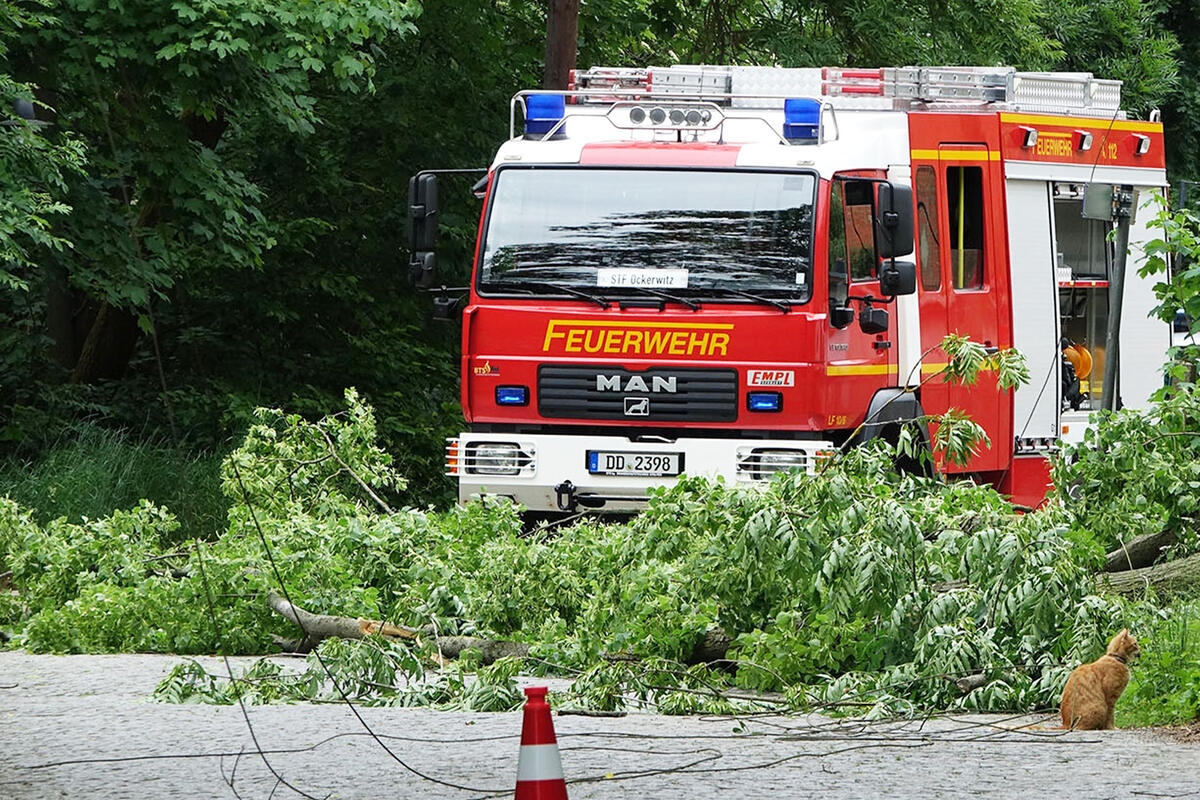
(63, 310)
(97, 340)
(562, 38)
(109, 345)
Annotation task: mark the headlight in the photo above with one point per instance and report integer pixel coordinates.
(763, 463)
(494, 458)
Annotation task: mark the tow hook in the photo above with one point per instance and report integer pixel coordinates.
(564, 495)
(569, 498)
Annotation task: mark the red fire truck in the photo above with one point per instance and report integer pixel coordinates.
(726, 270)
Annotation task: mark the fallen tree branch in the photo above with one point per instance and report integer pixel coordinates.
(969, 683)
(317, 627)
(1173, 575)
(712, 647)
(1140, 552)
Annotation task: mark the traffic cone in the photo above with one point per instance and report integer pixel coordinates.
(539, 769)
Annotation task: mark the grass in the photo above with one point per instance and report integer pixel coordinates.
(1165, 686)
(94, 470)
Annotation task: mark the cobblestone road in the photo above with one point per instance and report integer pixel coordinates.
(97, 707)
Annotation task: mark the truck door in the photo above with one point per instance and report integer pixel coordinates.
(858, 363)
(963, 285)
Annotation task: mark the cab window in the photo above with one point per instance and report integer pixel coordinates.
(929, 251)
(839, 278)
(964, 195)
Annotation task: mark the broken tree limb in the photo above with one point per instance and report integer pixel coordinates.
(318, 627)
(969, 683)
(712, 647)
(492, 649)
(322, 626)
(1140, 552)
(1173, 575)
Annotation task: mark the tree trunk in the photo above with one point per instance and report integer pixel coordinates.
(1173, 575)
(106, 351)
(63, 310)
(492, 649)
(562, 40)
(1140, 552)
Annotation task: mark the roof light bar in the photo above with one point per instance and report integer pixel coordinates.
(634, 115)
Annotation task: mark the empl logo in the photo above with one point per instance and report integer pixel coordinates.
(772, 377)
(637, 406)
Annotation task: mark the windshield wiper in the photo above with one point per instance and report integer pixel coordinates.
(782, 305)
(674, 298)
(603, 302)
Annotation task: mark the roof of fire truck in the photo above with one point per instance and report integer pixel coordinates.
(619, 115)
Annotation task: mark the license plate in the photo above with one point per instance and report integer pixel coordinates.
(608, 462)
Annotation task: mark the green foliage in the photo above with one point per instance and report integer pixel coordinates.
(958, 436)
(1136, 472)
(955, 436)
(1165, 687)
(860, 589)
(33, 169)
(1176, 255)
(89, 471)
(369, 671)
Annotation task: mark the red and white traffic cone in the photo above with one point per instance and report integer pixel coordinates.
(539, 769)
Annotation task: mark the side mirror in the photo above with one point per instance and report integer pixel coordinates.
(894, 223)
(872, 320)
(422, 227)
(420, 269)
(897, 278)
(840, 316)
(446, 307)
(422, 211)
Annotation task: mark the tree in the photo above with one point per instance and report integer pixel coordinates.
(155, 90)
(33, 169)
(562, 26)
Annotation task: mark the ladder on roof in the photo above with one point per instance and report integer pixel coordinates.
(889, 87)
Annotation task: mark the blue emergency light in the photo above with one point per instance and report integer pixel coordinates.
(801, 119)
(543, 112)
(512, 395)
(764, 401)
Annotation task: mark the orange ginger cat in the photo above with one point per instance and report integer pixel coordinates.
(1092, 689)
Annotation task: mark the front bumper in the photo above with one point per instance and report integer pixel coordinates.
(549, 472)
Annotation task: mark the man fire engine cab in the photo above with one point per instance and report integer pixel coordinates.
(725, 271)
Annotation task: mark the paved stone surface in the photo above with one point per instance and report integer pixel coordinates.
(98, 707)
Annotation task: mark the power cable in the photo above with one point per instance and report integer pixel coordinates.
(316, 652)
(212, 612)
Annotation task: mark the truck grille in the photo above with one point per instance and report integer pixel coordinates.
(657, 394)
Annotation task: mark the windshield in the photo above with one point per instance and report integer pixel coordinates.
(615, 231)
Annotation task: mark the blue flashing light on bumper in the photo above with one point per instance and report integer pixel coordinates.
(764, 401)
(512, 395)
